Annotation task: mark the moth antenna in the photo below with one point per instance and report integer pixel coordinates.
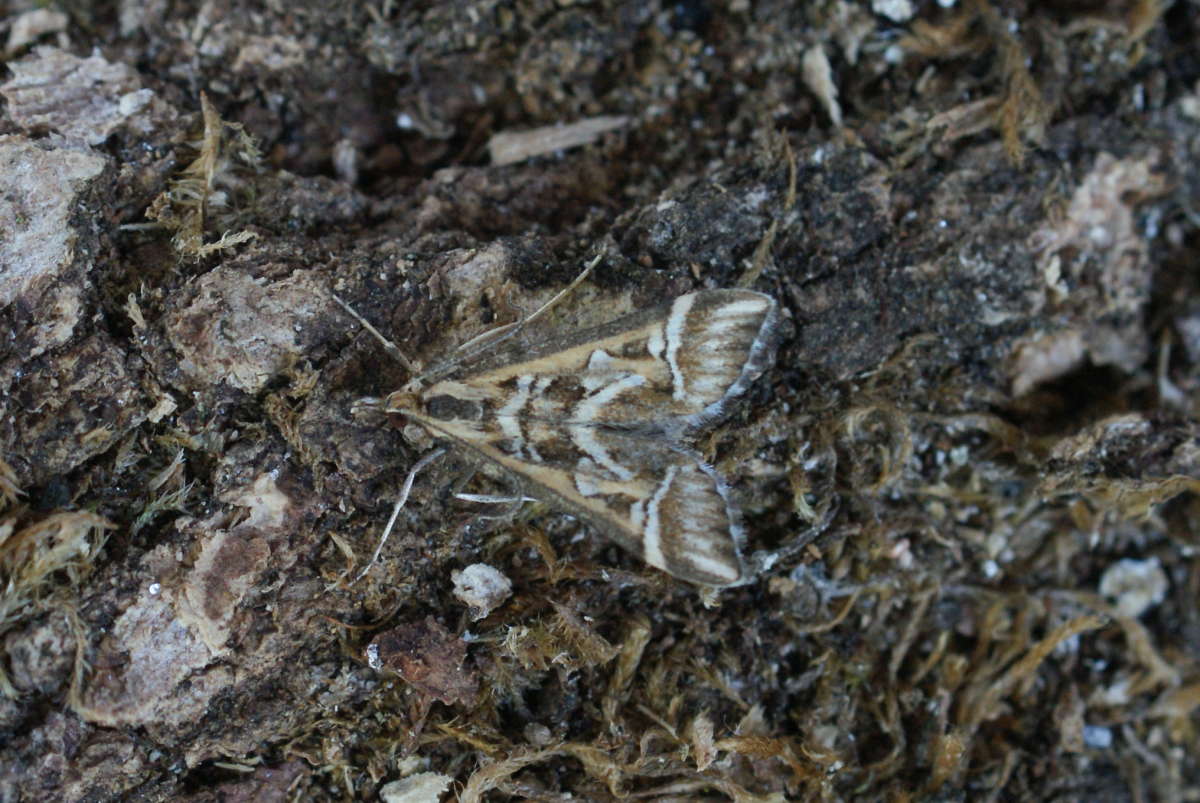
(404, 492)
(514, 499)
(501, 333)
(578, 280)
(488, 338)
(388, 346)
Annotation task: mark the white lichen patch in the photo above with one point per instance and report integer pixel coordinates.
(481, 588)
(41, 187)
(1135, 586)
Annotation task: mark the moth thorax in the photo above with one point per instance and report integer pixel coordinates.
(445, 407)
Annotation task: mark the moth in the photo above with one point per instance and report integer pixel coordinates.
(597, 422)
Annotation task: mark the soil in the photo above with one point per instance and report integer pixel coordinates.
(969, 480)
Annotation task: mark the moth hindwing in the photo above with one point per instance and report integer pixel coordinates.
(594, 422)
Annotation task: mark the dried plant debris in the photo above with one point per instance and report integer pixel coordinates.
(202, 195)
(43, 563)
(818, 75)
(9, 490)
(29, 26)
(509, 147)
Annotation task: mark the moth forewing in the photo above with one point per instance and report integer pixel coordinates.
(683, 360)
(592, 422)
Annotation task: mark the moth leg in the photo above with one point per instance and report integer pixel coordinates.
(578, 280)
(493, 499)
(404, 492)
(513, 501)
(388, 346)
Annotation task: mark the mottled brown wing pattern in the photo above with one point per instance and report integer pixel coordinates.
(680, 366)
(593, 424)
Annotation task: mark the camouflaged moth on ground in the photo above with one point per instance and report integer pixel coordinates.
(596, 422)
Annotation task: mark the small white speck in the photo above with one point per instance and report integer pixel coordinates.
(1099, 235)
(154, 589)
(991, 569)
(1117, 694)
(373, 657)
(405, 121)
(895, 10)
(1097, 737)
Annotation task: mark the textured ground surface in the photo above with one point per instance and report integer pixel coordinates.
(972, 472)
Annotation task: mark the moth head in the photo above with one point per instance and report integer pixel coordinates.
(403, 401)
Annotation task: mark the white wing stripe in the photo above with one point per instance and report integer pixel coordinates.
(588, 411)
(652, 532)
(676, 322)
(508, 416)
